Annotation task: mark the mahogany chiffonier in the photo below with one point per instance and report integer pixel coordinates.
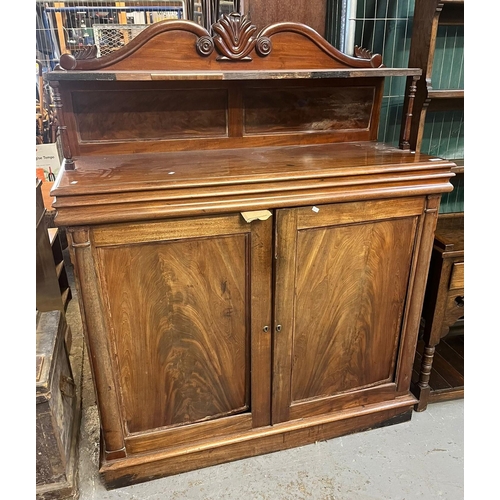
(250, 261)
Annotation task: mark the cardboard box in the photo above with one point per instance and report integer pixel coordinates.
(47, 157)
(48, 164)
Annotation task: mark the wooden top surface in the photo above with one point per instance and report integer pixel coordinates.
(111, 76)
(189, 169)
(449, 235)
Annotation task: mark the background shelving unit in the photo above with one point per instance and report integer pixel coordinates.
(437, 46)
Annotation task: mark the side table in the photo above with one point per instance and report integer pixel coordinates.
(443, 308)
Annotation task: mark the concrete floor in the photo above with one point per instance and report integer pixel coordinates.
(419, 459)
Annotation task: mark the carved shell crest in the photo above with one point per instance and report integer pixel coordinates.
(233, 37)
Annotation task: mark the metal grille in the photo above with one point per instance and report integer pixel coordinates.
(110, 37)
(69, 26)
(384, 27)
(48, 51)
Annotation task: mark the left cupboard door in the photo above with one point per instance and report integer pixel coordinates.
(185, 303)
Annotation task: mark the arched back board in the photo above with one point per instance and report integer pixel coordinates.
(175, 87)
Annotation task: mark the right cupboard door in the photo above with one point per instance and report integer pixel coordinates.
(343, 274)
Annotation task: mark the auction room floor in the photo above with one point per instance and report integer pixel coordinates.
(419, 459)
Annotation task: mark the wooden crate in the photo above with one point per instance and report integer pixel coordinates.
(57, 412)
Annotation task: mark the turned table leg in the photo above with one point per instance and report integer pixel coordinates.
(423, 386)
(434, 314)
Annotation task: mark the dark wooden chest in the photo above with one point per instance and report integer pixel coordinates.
(56, 410)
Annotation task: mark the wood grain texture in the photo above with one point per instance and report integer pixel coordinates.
(312, 14)
(342, 401)
(418, 278)
(160, 210)
(48, 292)
(350, 292)
(193, 345)
(153, 186)
(179, 50)
(261, 262)
(256, 442)
(359, 212)
(126, 173)
(342, 278)
(162, 231)
(175, 45)
(457, 275)
(191, 340)
(95, 329)
(60, 124)
(454, 309)
(185, 435)
(284, 285)
(150, 114)
(57, 410)
(172, 116)
(450, 236)
(228, 74)
(315, 109)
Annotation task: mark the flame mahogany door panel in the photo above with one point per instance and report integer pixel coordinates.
(186, 302)
(342, 280)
